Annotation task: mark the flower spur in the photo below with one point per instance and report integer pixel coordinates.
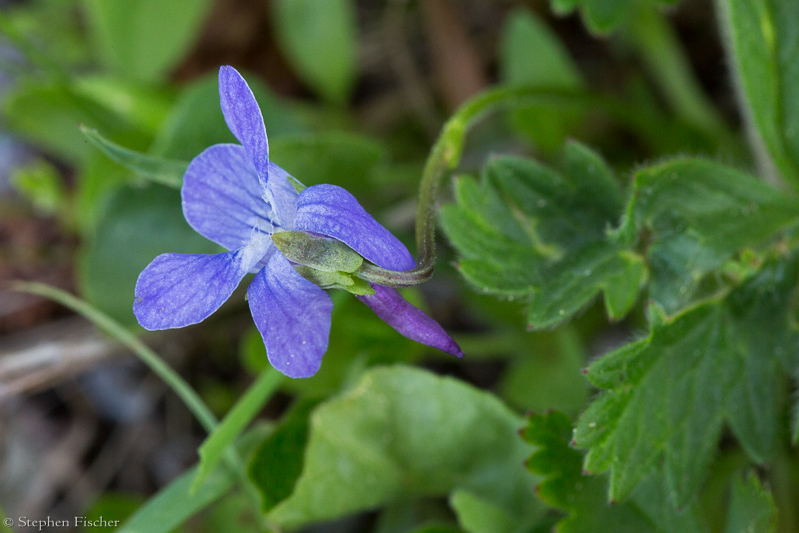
(235, 196)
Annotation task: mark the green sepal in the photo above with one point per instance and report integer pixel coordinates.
(294, 182)
(320, 253)
(335, 280)
(359, 287)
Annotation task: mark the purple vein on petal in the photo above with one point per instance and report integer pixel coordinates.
(293, 316)
(176, 290)
(243, 117)
(332, 211)
(222, 197)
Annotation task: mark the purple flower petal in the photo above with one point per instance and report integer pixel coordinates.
(409, 321)
(177, 290)
(222, 198)
(332, 211)
(282, 196)
(243, 117)
(293, 316)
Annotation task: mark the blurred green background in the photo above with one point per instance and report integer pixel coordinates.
(353, 93)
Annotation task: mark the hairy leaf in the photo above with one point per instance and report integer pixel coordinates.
(527, 230)
(700, 213)
(583, 497)
(751, 507)
(668, 396)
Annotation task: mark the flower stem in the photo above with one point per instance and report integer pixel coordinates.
(445, 156)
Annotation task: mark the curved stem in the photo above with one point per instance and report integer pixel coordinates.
(446, 153)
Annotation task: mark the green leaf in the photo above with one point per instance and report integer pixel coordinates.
(177, 502)
(319, 37)
(41, 183)
(525, 229)
(762, 307)
(605, 16)
(143, 39)
(250, 403)
(98, 178)
(46, 33)
(553, 378)
(668, 395)
(583, 497)
(762, 35)
(401, 433)
(564, 7)
(560, 464)
(113, 506)
(727, 208)
(142, 105)
(614, 270)
(752, 507)
(477, 515)
(277, 463)
(345, 159)
(234, 512)
(558, 212)
(795, 424)
(164, 171)
(174, 504)
(195, 122)
(700, 213)
(524, 33)
(437, 528)
(48, 113)
(138, 225)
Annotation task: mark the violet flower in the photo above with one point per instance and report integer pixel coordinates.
(233, 195)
